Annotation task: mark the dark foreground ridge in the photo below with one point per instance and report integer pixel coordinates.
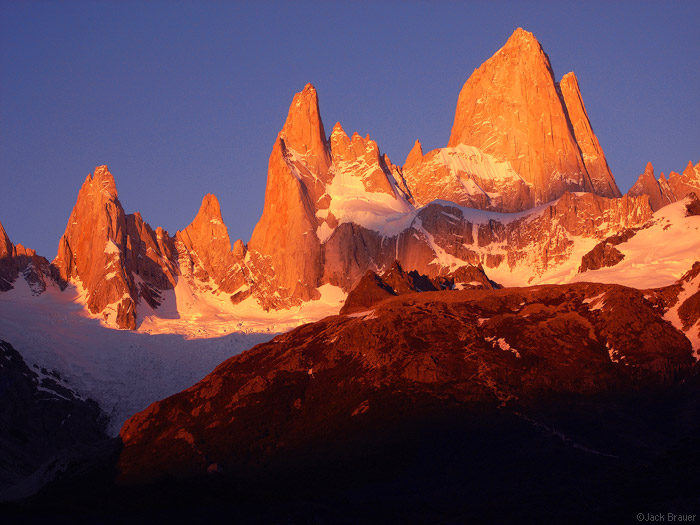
(550, 403)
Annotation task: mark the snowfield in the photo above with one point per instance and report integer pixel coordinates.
(123, 371)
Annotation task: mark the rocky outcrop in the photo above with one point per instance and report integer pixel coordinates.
(467, 176)
(647, 184)
(8, 269)
(604, 253)
(374, 288)
(310, 183)
(591, 151)
(663, 191)
(297, 171)
(693, 205)
(208, 248)
(685, 183)
(92, 252)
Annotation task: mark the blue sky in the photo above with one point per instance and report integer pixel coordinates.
(186, 98)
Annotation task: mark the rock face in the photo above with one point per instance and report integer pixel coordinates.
(297, 171)
(206, 246)
(39, 418)
(604, 253)
(468, 176)
(592, 153)
(476, 348)
(310, 183)
(663, 191)
(105, 251)
(8, 269)
(518, 140)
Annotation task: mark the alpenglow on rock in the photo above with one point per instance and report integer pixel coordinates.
(512, 109)
(663, 191)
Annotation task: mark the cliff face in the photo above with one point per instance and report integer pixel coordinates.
(116, 258)
(313, 186)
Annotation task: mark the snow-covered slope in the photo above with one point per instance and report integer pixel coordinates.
(657, 255)
(467, 176)
(124, 371)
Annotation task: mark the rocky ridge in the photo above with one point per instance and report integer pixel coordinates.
(500, 348)
(16, 260)
(374, 288)
(663, 191)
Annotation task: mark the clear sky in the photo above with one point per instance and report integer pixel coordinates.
(180, 99)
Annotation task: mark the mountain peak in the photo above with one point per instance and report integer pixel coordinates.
(210, 208)
(303, 130)
(649, 169)
(499, 111)
(522, 38)
(415, 154)
(102, 180)
(5, 244)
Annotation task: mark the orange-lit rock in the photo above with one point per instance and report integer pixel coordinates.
(361, 157)
(316, 386)
(16, 260)
(593, 157)
(663, 191)
(208, 246)
(92, 250)
(103, 250)
(8, 269)
(685, 183)
(511, 109)
(285, 235)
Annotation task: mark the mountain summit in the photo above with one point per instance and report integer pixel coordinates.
(512, 109)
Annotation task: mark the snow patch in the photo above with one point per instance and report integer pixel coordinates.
(503, 345)
(111, 247)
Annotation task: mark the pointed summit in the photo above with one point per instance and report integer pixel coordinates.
(510, 108)
(524, 40)
(415, 154)
(5, 244)
(208, 244)
(647, 184)
(303, 130)
(210, 210)
(591, 150)
(104, 180)
(92, 250)
(8, 271)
